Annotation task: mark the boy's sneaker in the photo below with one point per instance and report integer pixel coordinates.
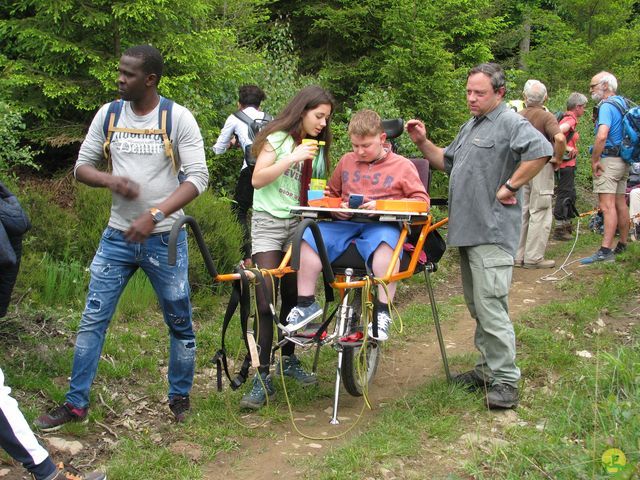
(180, 407)
(257, 397)
(599, 256)
(620, 248)
(299, 316)
(65, 413)
(291, 367)
(501, 395)
(67, 472)
(384, 325)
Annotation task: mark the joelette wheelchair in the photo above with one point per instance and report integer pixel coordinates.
(345, 326)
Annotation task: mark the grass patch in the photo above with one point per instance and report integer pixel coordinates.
(138, 298)
(572, 408)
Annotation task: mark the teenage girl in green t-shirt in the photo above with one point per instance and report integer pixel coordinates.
(281, 179)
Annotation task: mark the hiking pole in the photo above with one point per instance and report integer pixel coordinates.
(430, 267)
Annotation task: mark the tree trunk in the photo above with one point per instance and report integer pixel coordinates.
(525, 42)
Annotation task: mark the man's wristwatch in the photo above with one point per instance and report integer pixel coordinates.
(510, 187)
(156, 215)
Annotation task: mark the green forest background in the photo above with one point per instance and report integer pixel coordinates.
(404, 58)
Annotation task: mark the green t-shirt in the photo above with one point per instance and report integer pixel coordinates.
(283, 192)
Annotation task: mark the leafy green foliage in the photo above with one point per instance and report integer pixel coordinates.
(58, 60)
(12, 153)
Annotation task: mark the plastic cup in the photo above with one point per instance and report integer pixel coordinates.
(318, 184)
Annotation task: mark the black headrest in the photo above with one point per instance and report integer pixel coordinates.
(422, 165)
(393, 128)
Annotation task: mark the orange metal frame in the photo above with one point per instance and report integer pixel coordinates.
(427, 226)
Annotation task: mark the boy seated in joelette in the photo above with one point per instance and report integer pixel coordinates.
(375, 172)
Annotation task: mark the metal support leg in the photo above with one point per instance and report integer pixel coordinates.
(336, 394)
(436, 321)
(316, 357)
(342, 325)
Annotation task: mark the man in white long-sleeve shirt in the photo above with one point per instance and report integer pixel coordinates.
(147, 198)
(17, 439)
(249, 99)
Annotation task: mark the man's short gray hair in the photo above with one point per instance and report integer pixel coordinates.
(534, 92)
(576, 99)
(609, 81)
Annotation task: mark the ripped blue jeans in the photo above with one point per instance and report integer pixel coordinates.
(115, 261)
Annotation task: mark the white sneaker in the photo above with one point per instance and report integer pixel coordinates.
(384, 325)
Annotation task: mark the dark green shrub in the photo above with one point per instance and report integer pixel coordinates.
(53, 228)
(92, 207)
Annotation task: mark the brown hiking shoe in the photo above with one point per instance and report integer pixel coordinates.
(65, 413)
(541, 264)
(562, 232)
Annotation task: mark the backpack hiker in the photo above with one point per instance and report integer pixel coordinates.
(610, 172)
(566, 173)
(244, 125)
(281, 179)
(147, 199)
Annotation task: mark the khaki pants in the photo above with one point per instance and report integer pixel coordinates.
(486, 278)
(537, 216)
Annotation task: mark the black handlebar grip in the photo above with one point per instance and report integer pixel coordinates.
(173, 241)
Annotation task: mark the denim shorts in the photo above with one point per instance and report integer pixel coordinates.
(269, 233)
(338, 235)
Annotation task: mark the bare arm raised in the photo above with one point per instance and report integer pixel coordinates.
(418, 134)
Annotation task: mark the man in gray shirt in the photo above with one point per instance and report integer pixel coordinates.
(494, 154)
(147, 197)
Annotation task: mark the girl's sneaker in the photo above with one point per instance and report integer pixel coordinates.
(261, 390)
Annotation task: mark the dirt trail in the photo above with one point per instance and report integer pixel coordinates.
(404, 366)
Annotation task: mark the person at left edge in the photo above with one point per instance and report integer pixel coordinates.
(147, 198)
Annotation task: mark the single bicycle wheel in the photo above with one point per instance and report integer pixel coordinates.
(359, 367)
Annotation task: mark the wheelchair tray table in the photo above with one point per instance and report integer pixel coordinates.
(359, 214)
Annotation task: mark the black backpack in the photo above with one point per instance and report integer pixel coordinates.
(254, 127)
